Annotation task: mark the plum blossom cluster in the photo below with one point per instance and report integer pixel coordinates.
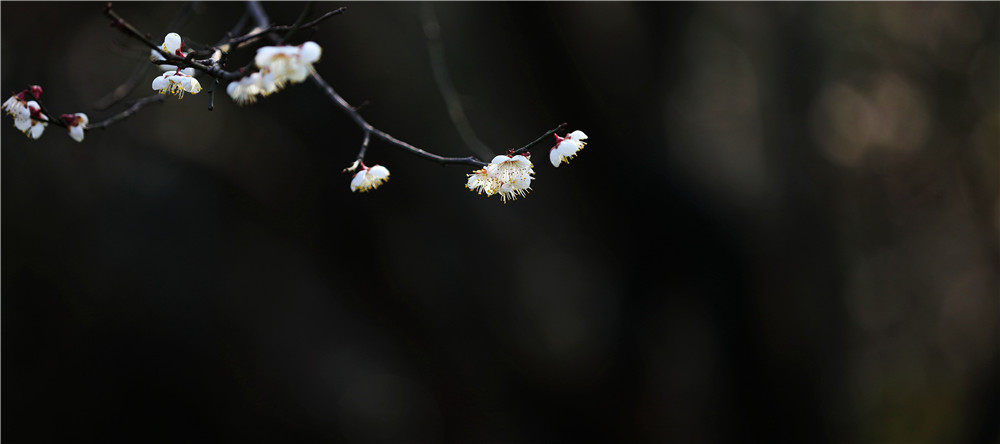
(32, 121)
(279, 66)
(567, 147)
(174, 81)
(369, 178)
(508, 176)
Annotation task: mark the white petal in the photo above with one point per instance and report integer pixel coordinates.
(500, 159)
(568, 148)
(359, 178)
(192, 86)
(36, 130)
(172, 42)
(84, 120)
(298, 72)
(378, 171)
(310, 52)
(521, 161)
(265, 55)
(160, 83)
(522, 183)
(76, 132)
(577, 135)
(188, 71)
(22, 124)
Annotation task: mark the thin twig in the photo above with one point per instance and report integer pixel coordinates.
(211, 94)
(119, 93)
(298, 22)
(128, 112)
(52, 119)
(561, 127)
(126, 27)
(253, 35)
(386, 137)
(138, 73)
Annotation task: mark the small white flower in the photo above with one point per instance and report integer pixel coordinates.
(566, 148)
(76, 123)
(176, 83)
(513, 173)
(510, 176)
(245, 91)
(369, 178)
(287, 63)
(16, 106)
(481, 182)
(33, 125)
(171, 43)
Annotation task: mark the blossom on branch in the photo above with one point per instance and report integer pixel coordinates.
(567, 147)
(176, 83)
(513, 173)
(288, 63)
(34, 124)
(510, 176)
(246, 90)
(279, 65)
(369, 178)
(481, 182)
(75, 123)
(172, 44)
(16, 106)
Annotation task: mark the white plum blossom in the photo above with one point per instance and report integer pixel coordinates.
(16, 106)
(176, 83)
(172, 44)
(510, 176)
(279, 65)
(33, 125)
(369, 178)
(288, 63)
(513, 173)
(76, 124)
(246, 90)
(481, 182)
(567, 147)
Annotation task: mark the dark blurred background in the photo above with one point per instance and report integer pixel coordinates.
(784, 228)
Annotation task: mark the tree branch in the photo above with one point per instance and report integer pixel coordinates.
(139, 104)
(386, 137)
(258, 33)
(561, 127)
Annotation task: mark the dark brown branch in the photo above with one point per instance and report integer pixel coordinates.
(119, 93)
(139, 104)
(52, 118)
(386, 137)
(298, 22)
(561, 127)
(139, 72)
(249, 38)
(130, 30)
